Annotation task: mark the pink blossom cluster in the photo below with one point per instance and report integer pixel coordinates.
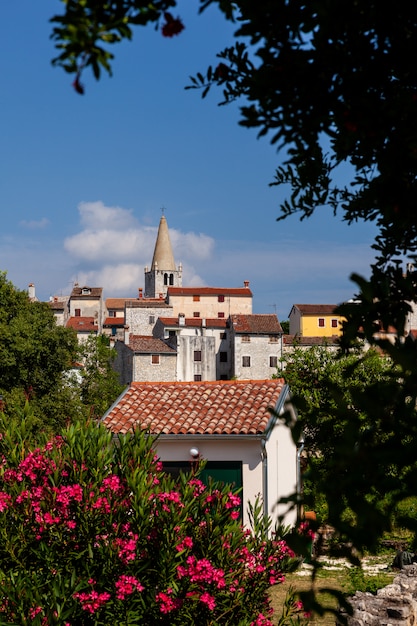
(167, 602)
(93, 600)
(202, 571)
(126, 585)
(127, 547)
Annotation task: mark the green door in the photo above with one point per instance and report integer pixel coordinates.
(226, 472)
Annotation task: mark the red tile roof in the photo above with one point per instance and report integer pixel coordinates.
(114, 321)
(94, 292)
(316, 309)
(196, 408)
(148, 303)
(149, 345)
(264, 324)
(83, 324)
(116, 303)
(197, 322)
(209, 291)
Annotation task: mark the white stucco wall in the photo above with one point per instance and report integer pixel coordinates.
(280, 463)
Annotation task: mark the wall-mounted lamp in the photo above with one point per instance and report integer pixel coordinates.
(194, 453)
(195, 459)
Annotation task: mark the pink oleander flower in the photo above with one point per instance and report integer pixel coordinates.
(199, 486)
(207, 599)
(112, 483)
(34, 611)
(185, 544)
(5, 501)
(127, 548)
(102, 504)
(91, 601)
(232, 500)
(126, 585)
(202, 571)
(167, 603)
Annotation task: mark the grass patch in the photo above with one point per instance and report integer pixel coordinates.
(337, 577)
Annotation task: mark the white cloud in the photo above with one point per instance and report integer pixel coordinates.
(115, 232)
(97, 216)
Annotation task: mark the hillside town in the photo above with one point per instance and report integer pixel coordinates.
(171, 332)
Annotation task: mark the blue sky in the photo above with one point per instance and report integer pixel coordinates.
(83, 178)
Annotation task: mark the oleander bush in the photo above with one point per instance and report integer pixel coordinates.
(94, 532)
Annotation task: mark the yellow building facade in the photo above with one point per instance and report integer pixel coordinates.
(315, 320)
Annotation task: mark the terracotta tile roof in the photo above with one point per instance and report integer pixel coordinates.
(148, 344)
(94, 292)
(114, 321)
(316, 309)
(196, 408)
(148, 303)
(116, 303)
(82, 324)
(57, 305)
(209, 291)
(296, 340)
(195, 322)
(263, 324)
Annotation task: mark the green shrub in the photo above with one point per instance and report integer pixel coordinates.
(94, 532)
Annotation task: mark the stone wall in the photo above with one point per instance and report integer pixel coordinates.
(394, 605)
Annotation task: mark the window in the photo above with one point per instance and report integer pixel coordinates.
(335, 323)
(223, 357)
(321, 322)
(220, 314)
(245, 361)
(196, 298)
(155, 359)
(171, 279)
(165, 279)
(223, 335)
(152, 319)
(245, 338)
(112, 313)
(196, 314)
(273, 361)
(273, 339)
(197, 377)
(220, 298)
(197, 355)
(77, 313)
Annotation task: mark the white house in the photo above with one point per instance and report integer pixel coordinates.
(227, 423)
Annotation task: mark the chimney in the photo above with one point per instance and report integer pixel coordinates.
(140, 293)
(246, 284)
(126, 334)
(181, 319)
(31, 291)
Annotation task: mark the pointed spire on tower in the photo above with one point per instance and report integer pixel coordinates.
(163, 257)
(163, 273)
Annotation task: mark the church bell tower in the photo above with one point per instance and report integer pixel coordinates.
(163, 272)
